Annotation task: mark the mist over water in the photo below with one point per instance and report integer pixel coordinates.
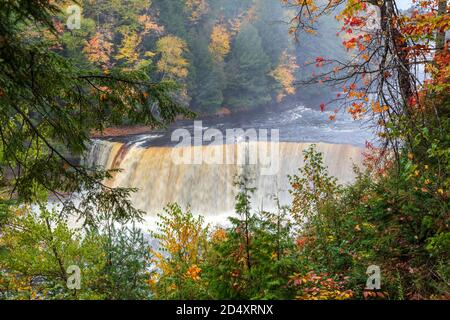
(147, 164)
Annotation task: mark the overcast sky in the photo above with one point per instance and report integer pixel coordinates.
(403, 4)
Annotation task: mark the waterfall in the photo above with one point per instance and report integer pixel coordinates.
(209, 188)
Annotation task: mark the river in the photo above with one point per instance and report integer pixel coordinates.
(147, 160)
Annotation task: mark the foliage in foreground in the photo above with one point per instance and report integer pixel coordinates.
(322, 248)
(38, 249)
(395, 215)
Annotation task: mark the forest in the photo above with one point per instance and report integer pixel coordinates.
(152, 63)
(225, 55)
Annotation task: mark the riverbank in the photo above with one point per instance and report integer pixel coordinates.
(222, 113)
(121, 131)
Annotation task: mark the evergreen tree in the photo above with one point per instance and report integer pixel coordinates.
(172, 15)
(276, 43)
(206, 80)
(269, 15)
(247, 69)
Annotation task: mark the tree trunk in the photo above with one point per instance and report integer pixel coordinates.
(440, 36)
(398, 46)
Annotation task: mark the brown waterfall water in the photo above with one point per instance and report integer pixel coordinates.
(208, 188)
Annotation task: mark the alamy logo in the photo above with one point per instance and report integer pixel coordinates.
(238, 146)
(73, 22)
(374, 280)
(74, 279)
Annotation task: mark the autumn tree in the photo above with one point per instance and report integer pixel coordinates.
(396, 73)
(284, 74)
(99, 49)
(196, 8)
(387, 46)
(182, 247)
(172, 63)
(119, 30)
(220, 43)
